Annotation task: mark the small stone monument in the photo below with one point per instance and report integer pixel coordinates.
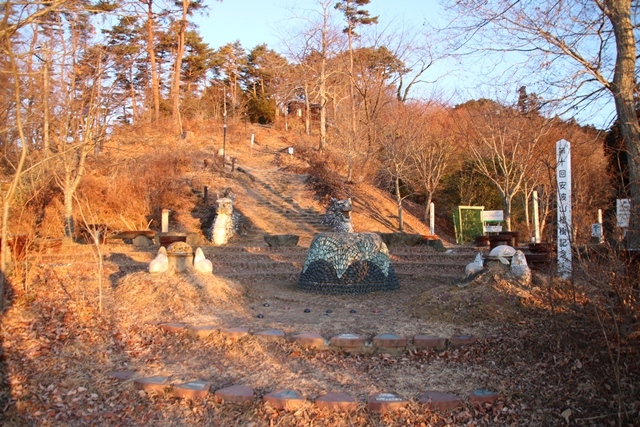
(519, 267)
(201, 264)
(160, 263)
(180, 256)
(474, 267)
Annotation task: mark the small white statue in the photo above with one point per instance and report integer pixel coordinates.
(474, 267)
(160, 263)
(519, 267)
(201, 264)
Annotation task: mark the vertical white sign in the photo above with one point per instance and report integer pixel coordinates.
(563, 178)
(623, 212)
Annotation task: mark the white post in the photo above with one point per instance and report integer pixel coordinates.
(253, 136)
(432, 219)
(601, 228)
(165, 220)
(536, 219)
(563, 178)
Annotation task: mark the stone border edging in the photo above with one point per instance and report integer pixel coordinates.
(386, 343)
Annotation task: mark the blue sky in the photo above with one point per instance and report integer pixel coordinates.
(254, 22)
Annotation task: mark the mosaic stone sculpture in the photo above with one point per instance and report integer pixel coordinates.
(338, 216)
(344, 263)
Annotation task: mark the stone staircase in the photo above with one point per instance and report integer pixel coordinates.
(280, 207)
(410, 263)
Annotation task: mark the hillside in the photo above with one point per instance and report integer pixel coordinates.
(92, 338)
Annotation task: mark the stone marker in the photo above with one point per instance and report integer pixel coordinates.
(386, 402)
(438, 401)
(156, 384)
(236, 394)
(289, 400)
(234, 333)
(479, 396)
(200, 263)
(338, 401)
(428, 341)
(192, 390)
(160, 263)
(310, 339)
(270, 334)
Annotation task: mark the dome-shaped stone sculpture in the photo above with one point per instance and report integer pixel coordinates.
(344, 263)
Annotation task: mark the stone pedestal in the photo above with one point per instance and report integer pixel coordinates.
(180, 261)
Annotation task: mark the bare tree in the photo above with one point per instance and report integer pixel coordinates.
(355, 16)
(576, 50)
(502, 144)
(431, 151)
(396, 138)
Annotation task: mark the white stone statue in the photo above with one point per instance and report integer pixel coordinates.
(160, 263)
(474, 267)
(201, 264)
(519, 267)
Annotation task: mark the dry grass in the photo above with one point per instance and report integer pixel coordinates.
(541, 346)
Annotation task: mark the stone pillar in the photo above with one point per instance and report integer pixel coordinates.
(432, 219)
(165, 220)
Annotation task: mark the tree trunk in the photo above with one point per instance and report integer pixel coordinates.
(507, 211)
(155, 84)
(427, 208)
(69, 226)
(354, 130)
(175, 89)
(399, 202)
(623, 89)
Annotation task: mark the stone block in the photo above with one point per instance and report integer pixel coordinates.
(236, 394)
(173, 326)
(459, 340)
(234, 333)
(386, 402)
(192, 390)
(142, 241)
(155, 384)
(479, 396)
(428, 342)
(310, 339)
(121, 375)
(391, 341)
(278, 240)
(201, 331)
(337, 401)
(270, 335)
(289, 400)
(347, 341)
(438, 401)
